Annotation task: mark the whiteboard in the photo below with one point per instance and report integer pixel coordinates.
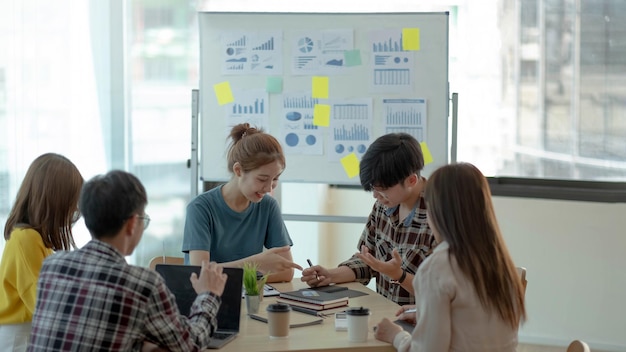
(355, 82)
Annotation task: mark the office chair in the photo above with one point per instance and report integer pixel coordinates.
(578, 346)
(161, 259)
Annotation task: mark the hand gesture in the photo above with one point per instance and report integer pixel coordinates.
(391, 268)
(211, 279)
(316, 276)
(273, 260)
(386, 330)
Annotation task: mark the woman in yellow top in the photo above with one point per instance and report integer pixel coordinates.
(40, 222)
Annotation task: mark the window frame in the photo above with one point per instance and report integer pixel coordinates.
(574, 190)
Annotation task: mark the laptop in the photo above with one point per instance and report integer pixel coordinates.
(177, 280)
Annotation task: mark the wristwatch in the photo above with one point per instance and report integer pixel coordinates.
(401, 279)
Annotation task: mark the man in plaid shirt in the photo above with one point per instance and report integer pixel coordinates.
(396, 238)
(92, 300)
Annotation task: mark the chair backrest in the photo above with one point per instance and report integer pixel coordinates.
(522, 274)
(165, 260)
(578, 346)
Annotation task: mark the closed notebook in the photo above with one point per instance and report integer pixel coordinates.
(315, 296)
(313, 306)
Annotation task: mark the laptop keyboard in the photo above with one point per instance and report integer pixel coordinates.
(221, 335)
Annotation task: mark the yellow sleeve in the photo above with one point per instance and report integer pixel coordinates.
(29, 255)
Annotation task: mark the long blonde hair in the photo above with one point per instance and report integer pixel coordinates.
(47, 201)
(460, 210)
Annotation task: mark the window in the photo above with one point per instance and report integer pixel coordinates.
(59, 93)
(162, 54)
(566, 105)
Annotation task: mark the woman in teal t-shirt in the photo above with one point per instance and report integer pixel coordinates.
(233, 223)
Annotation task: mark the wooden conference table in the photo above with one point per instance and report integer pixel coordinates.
(254, 335)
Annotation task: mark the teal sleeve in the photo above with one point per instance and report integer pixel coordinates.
(277, 234)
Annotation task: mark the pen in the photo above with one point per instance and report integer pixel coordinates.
(411, 310)
(310, 265)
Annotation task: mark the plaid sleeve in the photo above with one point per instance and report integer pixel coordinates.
(361, 270)
(172, 330)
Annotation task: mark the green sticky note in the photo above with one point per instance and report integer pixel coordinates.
(274, 84)
(223, 93)
(352, 57)
(350, 164)
(428, 158)
(320, 87)
(321, 115)
(410, 39)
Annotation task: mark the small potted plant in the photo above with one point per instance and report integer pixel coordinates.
(253, 286)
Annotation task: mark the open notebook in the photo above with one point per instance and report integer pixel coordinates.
(228, 317)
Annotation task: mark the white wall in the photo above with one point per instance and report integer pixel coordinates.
(573, 252)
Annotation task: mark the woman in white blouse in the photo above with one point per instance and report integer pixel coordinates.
(468, 293)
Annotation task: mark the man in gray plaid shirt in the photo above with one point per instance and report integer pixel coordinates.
(92, 300)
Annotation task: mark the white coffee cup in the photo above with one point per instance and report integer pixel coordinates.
(358, 321)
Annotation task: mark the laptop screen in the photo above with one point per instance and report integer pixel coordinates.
(177, 280)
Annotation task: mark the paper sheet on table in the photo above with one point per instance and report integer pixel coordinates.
(296, 319)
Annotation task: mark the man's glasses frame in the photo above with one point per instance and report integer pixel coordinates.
(146, 220)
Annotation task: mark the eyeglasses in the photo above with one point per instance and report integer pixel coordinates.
(146, 220)
(380, 191)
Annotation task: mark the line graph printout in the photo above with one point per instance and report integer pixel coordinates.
(249, 53)
(406, 115)
(350, 129)
(250, 106)
(320, 52)
(298, 134)
(391, 67)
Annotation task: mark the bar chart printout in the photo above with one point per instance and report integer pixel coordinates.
(249, 106)
(406, 115)
(350, 128)
(257, 52)
(391, 67)
(298, 134)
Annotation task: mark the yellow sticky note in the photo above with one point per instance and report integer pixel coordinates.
(350, 164)
(223, 93)
(411, 39)
(428, 158)
(320, 87)
(321, 115)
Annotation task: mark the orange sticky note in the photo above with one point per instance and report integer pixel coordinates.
(223, 93)
(321, 115)
(410, 39)
(320, 87)
(350, 164)
(428, 158)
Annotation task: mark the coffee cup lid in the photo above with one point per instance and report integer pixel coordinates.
(278, 307)
(358, 311)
